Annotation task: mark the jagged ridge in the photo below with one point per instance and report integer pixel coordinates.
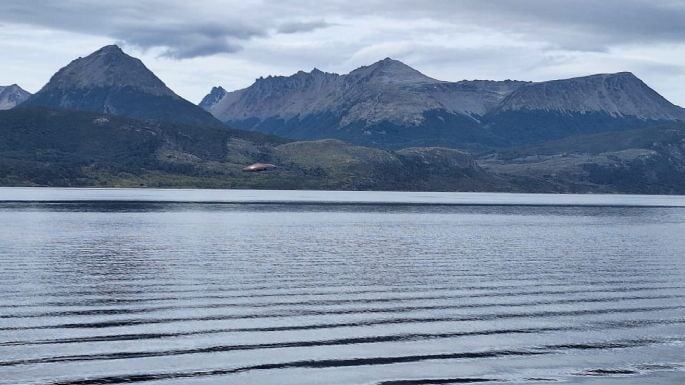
(388, 90)
(367, 106)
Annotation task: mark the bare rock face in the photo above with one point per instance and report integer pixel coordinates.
(110, 81)
(11, 96)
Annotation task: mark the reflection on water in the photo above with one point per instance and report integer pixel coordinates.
(178, 292)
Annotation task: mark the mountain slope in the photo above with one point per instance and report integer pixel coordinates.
(11, 96)
(110, 81)
(619, 95)
(555, 109)
(387, 104)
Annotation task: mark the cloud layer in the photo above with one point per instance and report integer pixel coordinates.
(190, 29)
(233, 42)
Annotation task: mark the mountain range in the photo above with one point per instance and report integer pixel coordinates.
(107, 120)
(391, 105)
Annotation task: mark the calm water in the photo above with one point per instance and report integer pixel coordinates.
(245, 287)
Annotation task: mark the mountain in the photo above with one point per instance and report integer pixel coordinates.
(620, 94)
(110, 81)
(391, 105)
(387, 104)
(11, 96)
(555, 109)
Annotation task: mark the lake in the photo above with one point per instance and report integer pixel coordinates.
(111, 286)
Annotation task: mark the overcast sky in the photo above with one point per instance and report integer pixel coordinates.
(194, 45)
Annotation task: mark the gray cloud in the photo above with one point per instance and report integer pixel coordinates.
(181, 31)
(302, 26)
(186, 29)
(180, 40)
(571, 24)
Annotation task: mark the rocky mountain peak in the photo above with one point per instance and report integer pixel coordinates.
(11, 96)
(389, 71)
(214, 96)
(112, 82)
(109, 66)
(111, 49)
(623, 74)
